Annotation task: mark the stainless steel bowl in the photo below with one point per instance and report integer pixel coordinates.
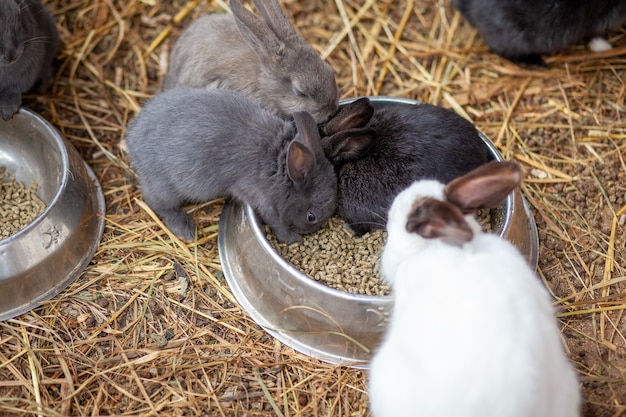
(42, 259)
(331, 325)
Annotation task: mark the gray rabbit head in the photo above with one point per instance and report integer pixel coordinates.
(292, 71)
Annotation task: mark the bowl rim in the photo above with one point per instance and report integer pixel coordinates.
(54, 137)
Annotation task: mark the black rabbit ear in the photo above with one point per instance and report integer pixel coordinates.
(484, 187)
(348, 145)
(260, 37)
(353, 115)
(431, 218)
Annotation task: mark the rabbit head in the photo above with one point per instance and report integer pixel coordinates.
(309, 200)
(14, 30)
(292, 72)
(430, 210)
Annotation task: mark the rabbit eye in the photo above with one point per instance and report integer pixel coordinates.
(310, 217)
(299, 92)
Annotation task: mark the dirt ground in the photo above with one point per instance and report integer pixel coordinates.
(136, 336)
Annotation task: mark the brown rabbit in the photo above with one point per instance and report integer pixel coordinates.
(262, 57)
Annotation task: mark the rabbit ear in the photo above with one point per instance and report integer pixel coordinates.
(300, 161)
(260, 37)
(484, 187)
(356, 114)
(431, 218)
(303, 148)
(348, 145)
(274, 16)
(307, 130)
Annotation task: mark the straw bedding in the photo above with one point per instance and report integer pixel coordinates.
(151, 328)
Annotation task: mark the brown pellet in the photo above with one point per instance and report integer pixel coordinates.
(337, 258)
(19, 205)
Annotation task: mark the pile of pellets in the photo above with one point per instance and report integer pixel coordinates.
(337, 258)
(19, 205)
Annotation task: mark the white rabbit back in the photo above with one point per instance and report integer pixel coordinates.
(473, 334)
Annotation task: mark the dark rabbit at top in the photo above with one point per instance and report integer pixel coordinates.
(29, 42)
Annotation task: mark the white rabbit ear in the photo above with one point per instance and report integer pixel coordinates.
(348, 145)
(353, 115)
(484, 187)
(273, 14)
(431, 218)
(260, 37)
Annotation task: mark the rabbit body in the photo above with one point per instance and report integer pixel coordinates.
(28, 44)
(265, 59)
(522, 30)
(196, 145)
(472, 333)
(406, 143)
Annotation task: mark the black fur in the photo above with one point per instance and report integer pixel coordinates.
(29, 42)
(410, 142)
(523, 30)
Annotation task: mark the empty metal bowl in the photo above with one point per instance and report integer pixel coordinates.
(331, 325)
(39, 261)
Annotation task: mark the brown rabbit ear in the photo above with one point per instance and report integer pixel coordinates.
(484, 187)
(274, 16)
(353, 115)
(431, 218)
(258, 35)
(348, 145)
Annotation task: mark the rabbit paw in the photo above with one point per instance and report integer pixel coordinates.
(181, 224)
(9, 104)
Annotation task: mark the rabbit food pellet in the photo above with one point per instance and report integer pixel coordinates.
(336, 257)
(19, 205)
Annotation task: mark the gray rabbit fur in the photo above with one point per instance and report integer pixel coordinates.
(377, 152)
(196, 145)
(523, 30)
(29, 41)
(263, 57)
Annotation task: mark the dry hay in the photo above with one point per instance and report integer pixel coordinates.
(151, 327)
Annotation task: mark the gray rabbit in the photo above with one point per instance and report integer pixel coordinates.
(196, 145)
(264, 58)
(29, 41)
(379, 151)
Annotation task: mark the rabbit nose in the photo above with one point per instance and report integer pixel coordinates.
(9, 57)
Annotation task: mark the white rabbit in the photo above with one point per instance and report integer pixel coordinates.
(473, 332)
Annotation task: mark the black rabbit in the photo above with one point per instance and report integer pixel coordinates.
(29, 41)
(523, 30)
(377, 152)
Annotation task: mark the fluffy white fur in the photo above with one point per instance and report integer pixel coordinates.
(599, 44)
(473, 332)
